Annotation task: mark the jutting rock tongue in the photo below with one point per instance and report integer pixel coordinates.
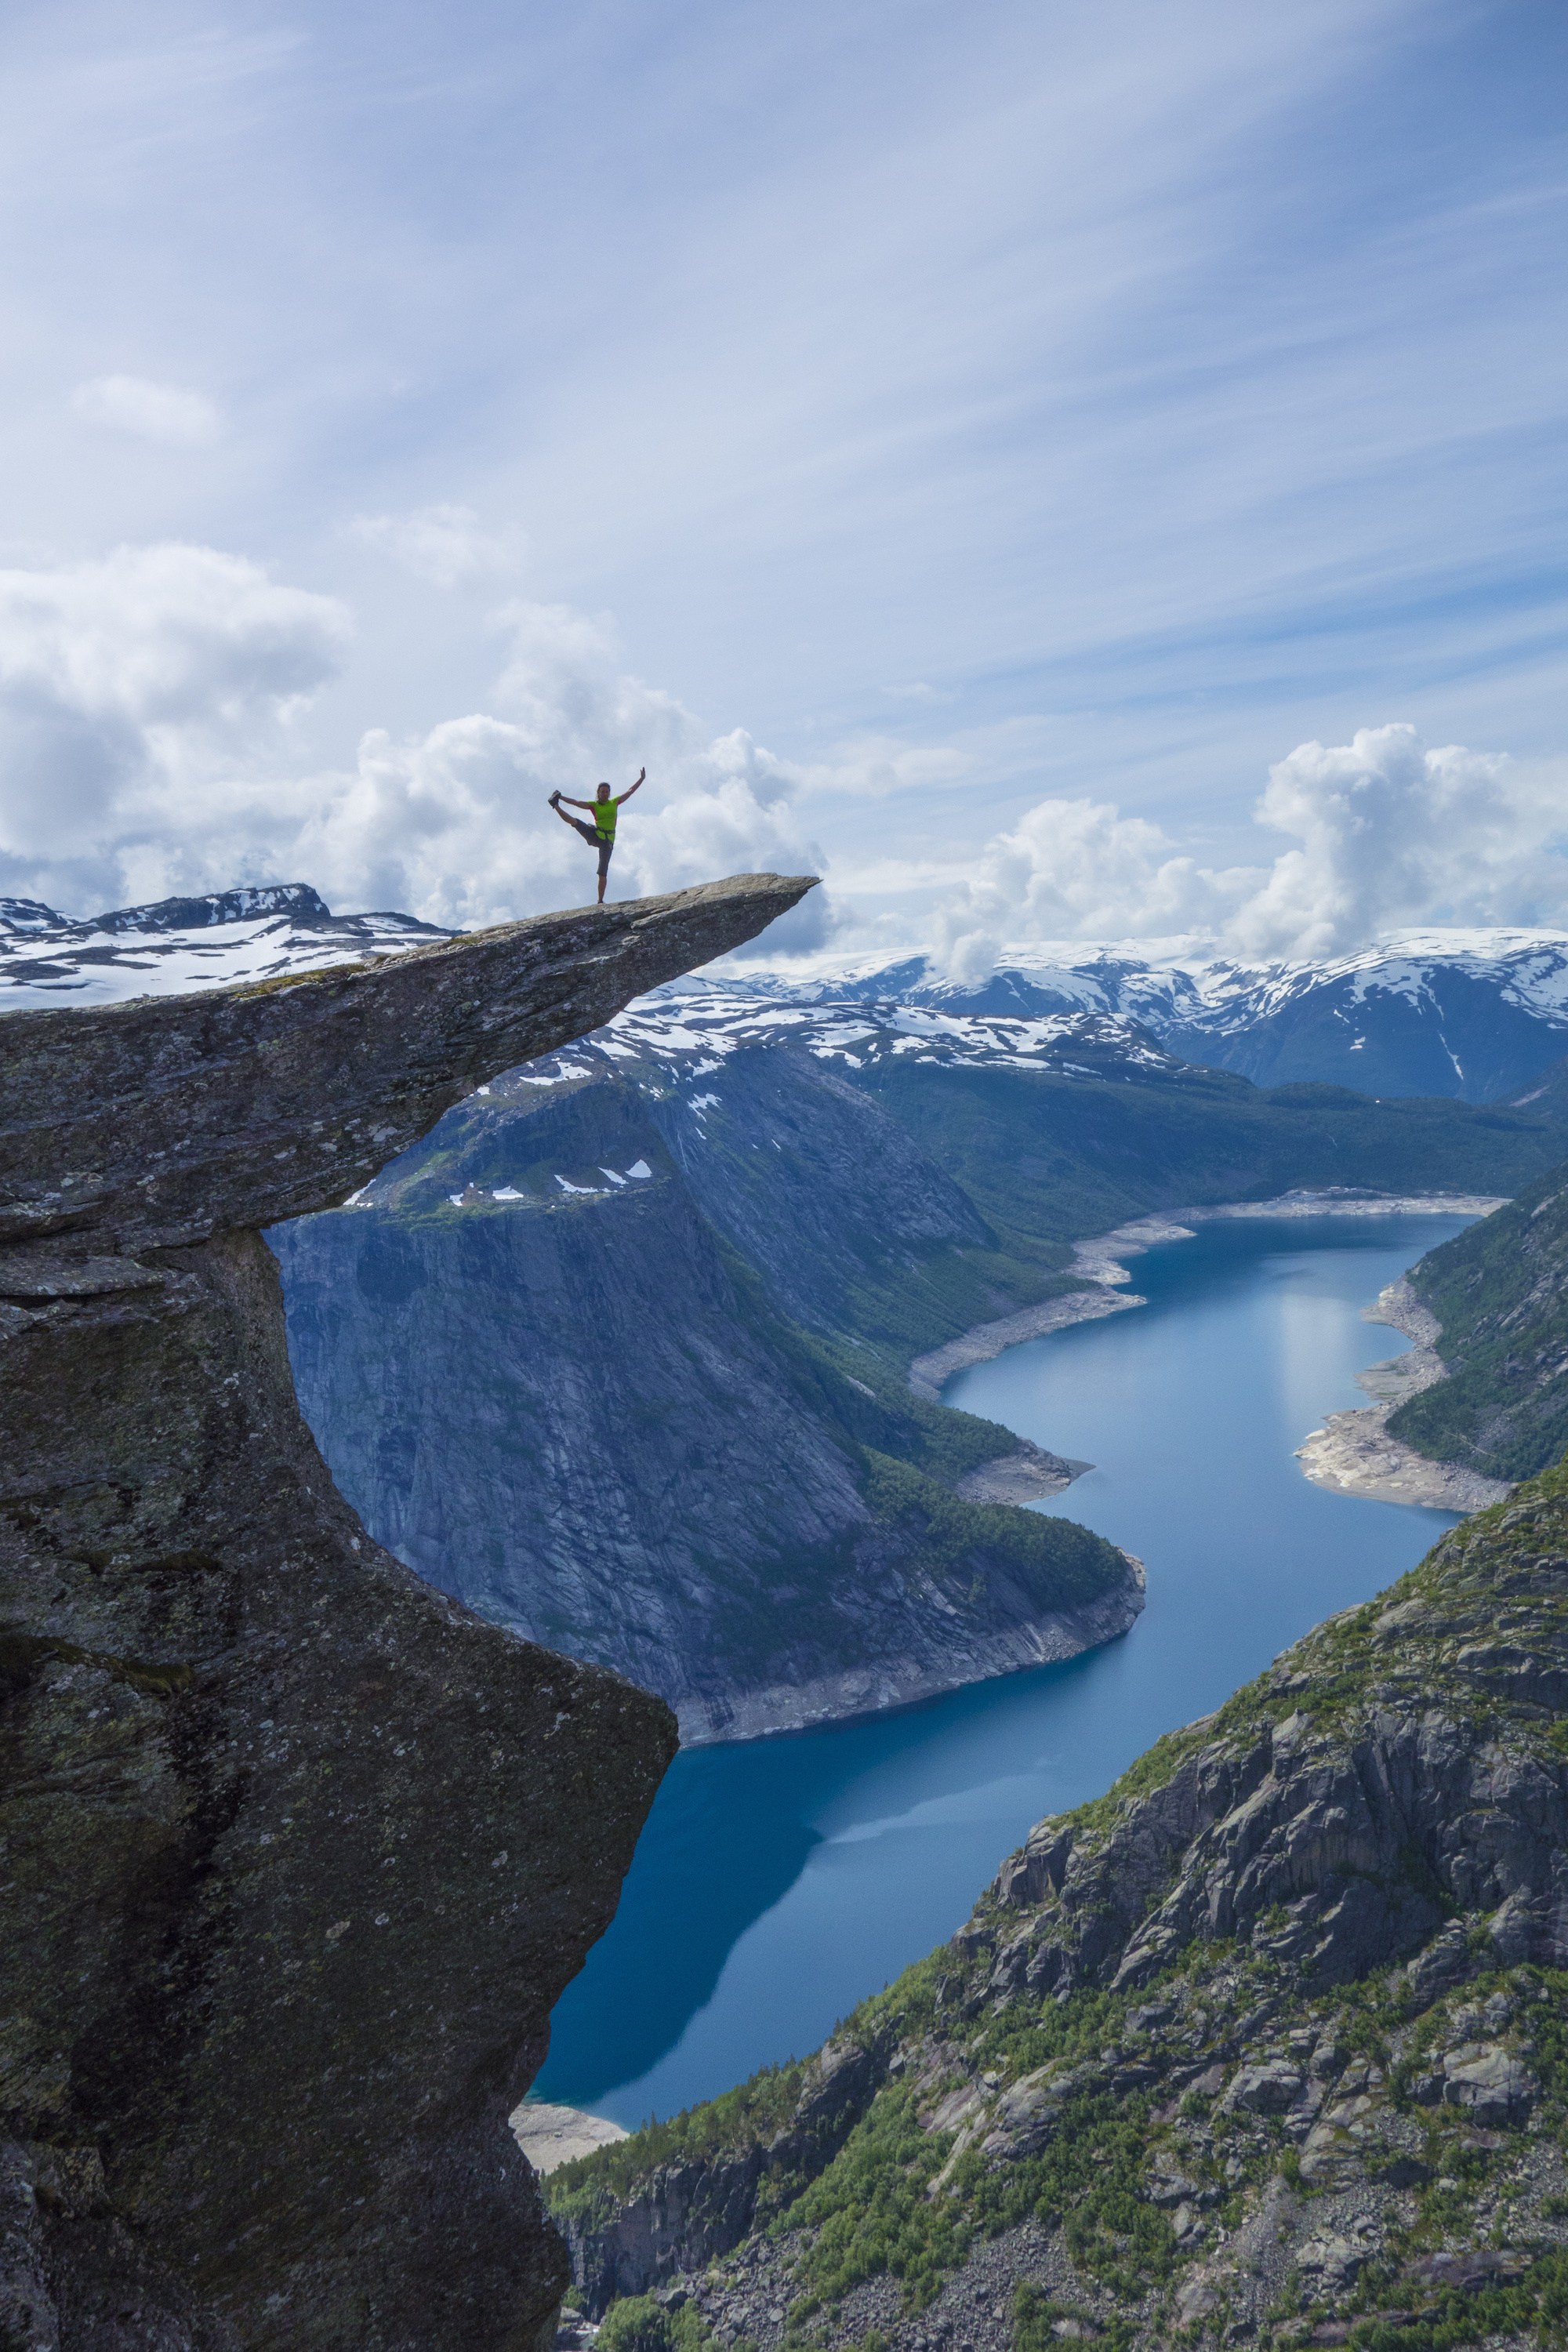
(301, 1854)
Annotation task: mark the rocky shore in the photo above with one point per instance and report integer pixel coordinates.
(970, 1654)
(1025, 1475)
(552, 2136)
(1353, 1452)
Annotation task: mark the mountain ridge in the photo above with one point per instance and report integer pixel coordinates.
(1266, 2043)
(1476, 1015)
(723, 1230)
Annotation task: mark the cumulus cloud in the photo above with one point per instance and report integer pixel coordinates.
(1389, 833)
(443, 545)
(1392, 834)
(150, 740)
(167, 413)
(145, 747)
(1073, 869)
(132, 689)
(456, 824)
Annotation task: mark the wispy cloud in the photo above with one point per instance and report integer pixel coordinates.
(1141, 390)
(443, 545)
(168, 412)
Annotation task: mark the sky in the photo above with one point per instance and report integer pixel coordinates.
(1058, 472)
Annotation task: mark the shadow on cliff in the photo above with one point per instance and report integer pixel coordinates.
(726, 1839)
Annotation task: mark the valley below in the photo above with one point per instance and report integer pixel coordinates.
(778, 1882)
(707, 1359)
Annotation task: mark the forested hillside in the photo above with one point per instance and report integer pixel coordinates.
(1264, 2045)
(1500, 1293)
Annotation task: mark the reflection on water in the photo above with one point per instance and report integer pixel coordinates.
(779, 1881)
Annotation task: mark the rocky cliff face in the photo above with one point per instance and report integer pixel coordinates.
(1267, 2043)
(298, 1854)
(550, 1359)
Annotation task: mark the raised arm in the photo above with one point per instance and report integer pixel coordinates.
(630, 789)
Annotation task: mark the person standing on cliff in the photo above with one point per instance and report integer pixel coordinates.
(601, 833)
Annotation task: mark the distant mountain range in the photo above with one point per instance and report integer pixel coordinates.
(620, 1354)
(173, 945)
(1474, 1015)
(1478, 1015)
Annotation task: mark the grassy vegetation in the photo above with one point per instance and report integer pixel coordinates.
(869, 2214)
(904, 2201)
(1500, 1293)
(1046, 1159)
(953, 1538)
(589, 2184)
(905, 1448)
(636, 2323)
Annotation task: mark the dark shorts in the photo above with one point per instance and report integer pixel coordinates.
(605, 843)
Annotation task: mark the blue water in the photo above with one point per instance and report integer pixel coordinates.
(779, 1881)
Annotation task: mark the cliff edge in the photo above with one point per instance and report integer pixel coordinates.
(298, 1853)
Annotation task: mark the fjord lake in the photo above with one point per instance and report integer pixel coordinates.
(779, 1881)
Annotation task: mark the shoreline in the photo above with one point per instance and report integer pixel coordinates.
(550, 2136)
(1351, 1453)
(893, 1681)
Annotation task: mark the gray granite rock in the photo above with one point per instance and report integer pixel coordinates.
(301, 1852)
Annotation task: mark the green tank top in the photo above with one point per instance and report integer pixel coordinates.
(605, 815)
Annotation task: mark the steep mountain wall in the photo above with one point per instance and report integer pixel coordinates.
(619, 1355)
(585, 1411)
(1267, 2043)
(299, 1852)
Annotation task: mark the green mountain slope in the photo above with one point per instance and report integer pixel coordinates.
(661, 1420)
(1500, 1293)
(1268, 2044)
(561, 1391)
(1047, 1159)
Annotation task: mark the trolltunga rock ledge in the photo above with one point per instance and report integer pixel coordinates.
(300, 1854)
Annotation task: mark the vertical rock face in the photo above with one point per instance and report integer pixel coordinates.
(298, 1854)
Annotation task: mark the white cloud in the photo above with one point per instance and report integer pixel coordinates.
(1394, 833)
(1073, 869)
(168, 412)
(130, 688)
(146, 703)
(455, 824)
(1390, 835)
(148, 742)
(443, 545)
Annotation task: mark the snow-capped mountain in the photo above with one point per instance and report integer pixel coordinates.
(678, 1039)
(177, 944)
(1481, 1015)
(1475, 1014)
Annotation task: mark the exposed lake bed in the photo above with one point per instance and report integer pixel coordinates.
(780, 1881)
